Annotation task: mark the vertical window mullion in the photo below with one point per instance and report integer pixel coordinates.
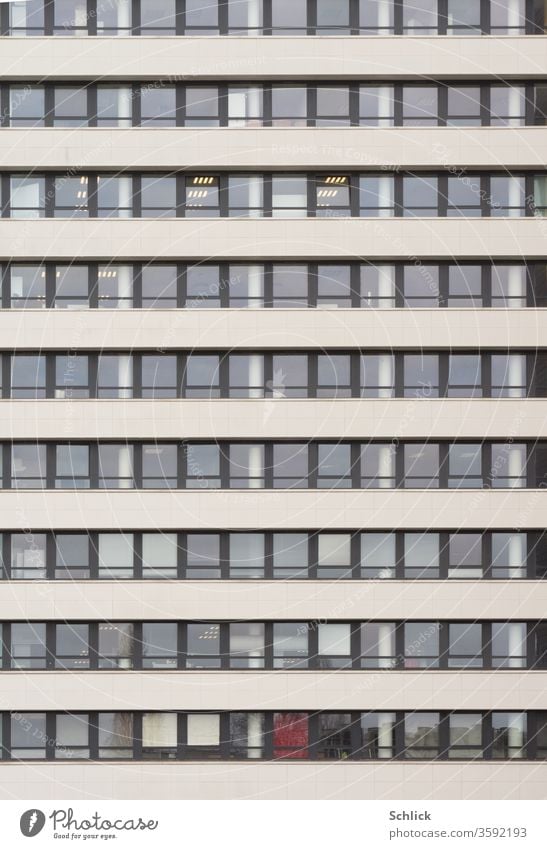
(6, 375)
(442, 196)
(138, 648)
(51, 645)
(51, 735)
(268, 556)
(135, 17)
(487, 644)
(443, 465)
(6, 564)
(93, 543)
(442, 118)
(444, 555)
(443, 358)
(50, 195)
(180, 21)
(137, 556)
(49, 17)
(93, 645)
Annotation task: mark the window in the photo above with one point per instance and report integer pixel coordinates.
(246, 464)
(159, 286)
(72, 467)
(290, 376)
(201, 107)
(509, 555)
(70, 106)
(421, 735)
(159, 735)
(421, 466)
(465, 555)
(202, 466)
(334, 466)
(507, 105)
(465, 735)
(376, 196)
(28, 736)
(115, 731)
(509, 375)
(421, 645)
(115, 645)
(509, 735)
(158, 17)
(464, 646)
(465, 286)
(245, 103)
(421, 285)
(159, 466)
(289, 196)
(70, 17)
(290, 555)
(465, 466)
(422, 553)
(420, 196)
(115, 197)
(115, 287)
(376, 107)
(378, 555)
(509, 645)
(420, 106)
(289, 17)
(246, 375)
(464, 196)
(114, 103)
(27, 106)
(28, 466)
(28, 556)
(26, 17)
(377, 466)
(290, 735)
(377, 376)
(202, 376)
(334, 734)
(378, 645)
(332, 106)
(158, 106)
(72, 646)
(509, 286)
(72, 376)
(246, 286)
(159, 555)
(246, 735)
(115, 555)
(290, 645)
(376, 735)
(202, 196)
(203, 287)
(334, 645)
(72, 556)
(203, 735)
(203, 650)
(507, 196)
(464, 376)
(71, 197)
(115, 466)
(27, 196)
(290, 286)
(201, 19)
(158, 196)
(245, 196)
(71, 287)
(377, 286)
(28, 287)
(28, 376)
(509, 462)
(464, 17)
(463, 106)
(247, 645)
(159, 376)
(115, 376)
(333, 376)
(203, 556)
(333, 555)
(28, 645)
(246, 555)
(334, 286)
(159, 645)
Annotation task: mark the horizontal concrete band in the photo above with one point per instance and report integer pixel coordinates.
(270, 329)
(279, 690)
(278, 418)
(275, 780)
(216, 58)
(271, 600)
(275, 148)
(280, 238)
(280, 509)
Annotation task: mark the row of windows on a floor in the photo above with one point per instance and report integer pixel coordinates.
(277, 555)
(274, 734)
(163, 104)
(276, 285)
(274, 645)
(277, 195)
(272, 17)
(273, 375)
(269, 465)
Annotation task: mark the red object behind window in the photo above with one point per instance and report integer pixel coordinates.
(290, 736)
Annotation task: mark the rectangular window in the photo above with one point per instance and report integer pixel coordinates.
(27, 197)
(246, 555)
(509, 733)
(72, 467)
(114, 104)
(290, 735)
(246, 466)
(290, 645)
(378, 286)
(290, 286)
(202, 107)
(421, 285)
(159, 645)
(26, 17)
(246, 375)
(72, 737)
(378, 645)
(115, 287)
(115, 556)
(507, 196)
(421, 735)
(71, 197)
(464, 286)
(332, 106)
(158, 196)
(289, 196)
(289, 17)
(509, 645)
(158, 17)
(465, 646)
(509, 464)
(465, 466)
(509, 375)
(203, 556)
(421, 553)
(70, 17)
(421, 466)
(377, 734)
(464, 196)
(509, 286)
(334, 286)
(421, 196)
(201, 18)
(159, 376)
(116, 466)
(28, 376)
(158, 105)
(465, 735)
(509, 555)
(334, 466)
(203, 735)
(378, 555)
(28, 645)
(115, 645)
(28, 736)
(464, 376)
(420, 18)
(245, 103)
(28, 466)
(334, 736)
(421, 645)
(333, 376)
(202, 466)
(333, 556)
(333, 17)
(376, 197)
(377, 376)
(420, 106)
(159, 466)
(70, 106)
(289, 376)
(464, 17)
(246, 286)
(72, 646)
(377, 466)
(28, 287)
(159, 556)
(72, 376)
(27, 106)
(202, 376)
(376, 104)
(71, 287)
(28, 556)
(376, 17)
(202, 196)
(203, 287)
(247, 646)
(246, 735)
(334, 645)
(203, 650)
(159, 735)
(290, 555)
(159, 286)
(115, 376)
(115, 735)
(72, 557)
(465, 555)
(464, 106)
(115, 197)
